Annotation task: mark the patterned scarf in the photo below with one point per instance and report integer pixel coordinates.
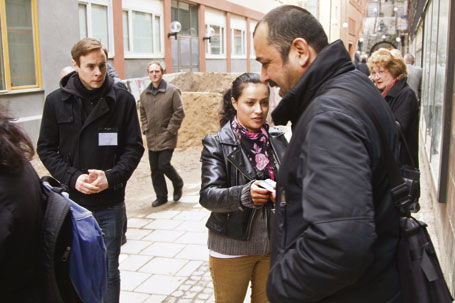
(257, 147)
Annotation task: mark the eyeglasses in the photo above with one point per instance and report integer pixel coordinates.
(375, 74)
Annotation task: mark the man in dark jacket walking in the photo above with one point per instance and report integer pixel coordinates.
(90, 141)
(336, 229)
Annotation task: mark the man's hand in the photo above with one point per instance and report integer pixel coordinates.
(83, 184)
(93, 182)
(98, 178)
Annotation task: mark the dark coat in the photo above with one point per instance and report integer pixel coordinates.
(405, 108)
(363, 67)
(336, 229)
(68, 147)
(225, 170)
(21, 214)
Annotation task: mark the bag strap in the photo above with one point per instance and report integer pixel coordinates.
(405, 144)
(398, 186)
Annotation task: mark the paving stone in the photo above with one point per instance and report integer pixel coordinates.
(203, 296)
(134, 262)
(129, 280)
(134, 246)
(164, 266)
(196, 226)
(164, 235)
(153, 299)
(194, 252)
(133, 297)
(161, 249)
(137, 222)
(136, 233)
(168, 214)
(184, 287)
(189, 268)
(164, 224)
(160, 284)
(193, 238)
(196, 289)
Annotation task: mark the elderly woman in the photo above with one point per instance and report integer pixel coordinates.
(389, 73)
(234, 159)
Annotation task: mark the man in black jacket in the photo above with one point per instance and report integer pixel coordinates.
(90, 141)
(336, 229)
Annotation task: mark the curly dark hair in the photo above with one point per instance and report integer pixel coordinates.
(228, 111)
(16, 148)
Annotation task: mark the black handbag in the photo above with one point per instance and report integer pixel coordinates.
(421, 277)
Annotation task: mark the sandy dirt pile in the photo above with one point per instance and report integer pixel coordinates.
(202, 97)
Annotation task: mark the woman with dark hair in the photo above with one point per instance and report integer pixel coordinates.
(235, 160)
(20, 216)
(389, 74)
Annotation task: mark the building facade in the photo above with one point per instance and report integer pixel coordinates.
(431, 32)
(198, 35)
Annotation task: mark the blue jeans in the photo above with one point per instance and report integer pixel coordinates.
(111, 221)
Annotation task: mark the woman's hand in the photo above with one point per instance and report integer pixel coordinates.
(259, 195)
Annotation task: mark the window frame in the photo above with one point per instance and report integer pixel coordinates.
(243, 43)
(208, 53)
(154, 54)
(5, 54)
(110, 18)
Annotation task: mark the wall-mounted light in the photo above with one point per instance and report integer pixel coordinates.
(398, 39)
(345, 25)
(176, 27)
(208, 34)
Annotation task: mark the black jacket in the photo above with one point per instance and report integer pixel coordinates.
(336, 229)
(405, 108)
(21, 214)
(69, 146)
(225, 170)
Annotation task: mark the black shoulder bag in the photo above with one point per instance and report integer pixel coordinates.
(421, 276)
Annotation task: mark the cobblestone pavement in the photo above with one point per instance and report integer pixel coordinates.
(165, 258)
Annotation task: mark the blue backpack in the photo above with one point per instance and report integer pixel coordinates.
(74, 253)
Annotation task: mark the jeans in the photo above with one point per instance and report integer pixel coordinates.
(111, 221)
(160, 165)
(231, 277)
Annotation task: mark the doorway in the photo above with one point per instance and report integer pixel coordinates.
(185, 49)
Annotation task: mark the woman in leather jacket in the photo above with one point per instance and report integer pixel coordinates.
(234, 160)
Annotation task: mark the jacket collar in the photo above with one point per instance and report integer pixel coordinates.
(68, 89)
(236, 155)
(396, 88)
(330, 62)
(161, 88)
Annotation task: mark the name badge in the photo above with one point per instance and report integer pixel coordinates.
(108, 137)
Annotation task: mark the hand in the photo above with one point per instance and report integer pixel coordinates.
(85, 186)
(259, 195)
(98, 179)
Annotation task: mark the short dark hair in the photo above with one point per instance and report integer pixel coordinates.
(85, 46)
(228, 111)
(288, 22)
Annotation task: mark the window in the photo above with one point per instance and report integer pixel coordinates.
(94, 21)
(141, 33)
(19, 49)
(238, 43)
(126, 30)
(215, 46)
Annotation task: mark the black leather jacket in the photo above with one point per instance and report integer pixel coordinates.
(225, 170)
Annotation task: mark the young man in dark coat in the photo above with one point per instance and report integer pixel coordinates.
(336, 230)
(90, 141)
